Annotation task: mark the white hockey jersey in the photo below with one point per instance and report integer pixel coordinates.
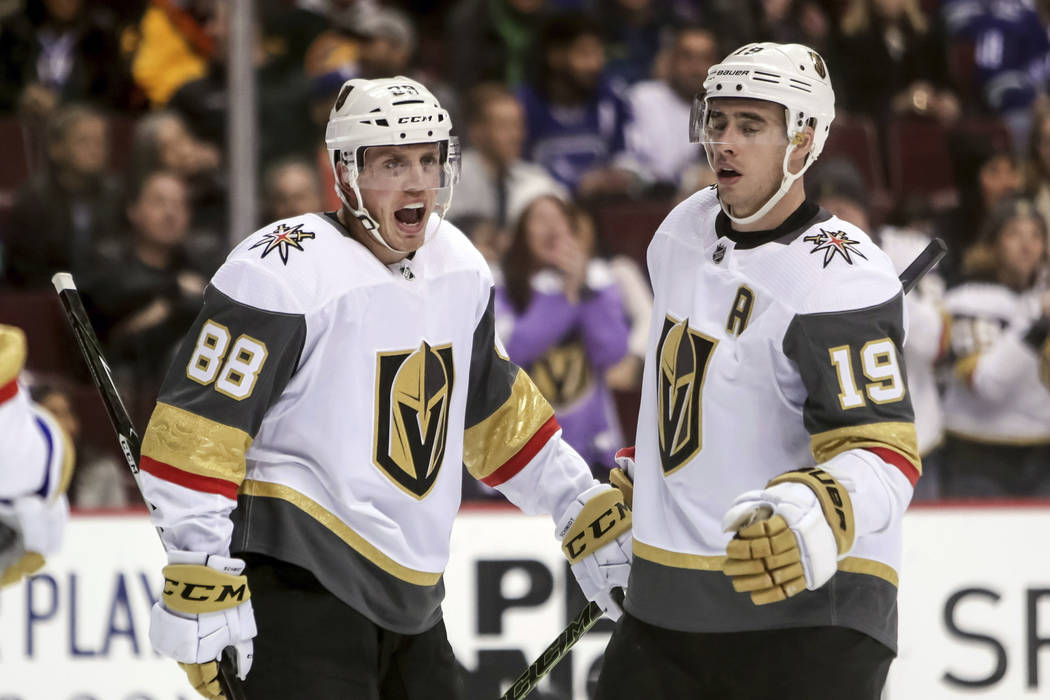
(995, 395)
(336, 398)
(768, 351)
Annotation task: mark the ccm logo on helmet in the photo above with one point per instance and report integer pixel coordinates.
(416, 119)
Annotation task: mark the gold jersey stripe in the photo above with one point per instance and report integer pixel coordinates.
(490, 444)
(195, 444)
(700, 562)
(12, 353)
(340, 529)
(870, 567)
(965, 368)
(895, 435)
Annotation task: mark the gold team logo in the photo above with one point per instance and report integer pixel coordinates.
(684, 355)
(413, 391)
(562, 374)
(818, 64)
(282, 239)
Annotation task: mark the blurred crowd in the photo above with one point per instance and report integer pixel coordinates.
(574, 119)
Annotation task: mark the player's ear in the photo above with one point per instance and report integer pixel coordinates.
(803, 141)
(342, 171)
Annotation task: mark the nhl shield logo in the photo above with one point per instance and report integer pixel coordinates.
(413, 391)
(719, 254)
(684, 355)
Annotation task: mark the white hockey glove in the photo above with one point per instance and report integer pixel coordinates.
(205, 607)
(595, 531)
(789, 536)
(622, 476)
(30, 529)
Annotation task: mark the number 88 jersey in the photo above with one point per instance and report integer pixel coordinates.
(768, 351)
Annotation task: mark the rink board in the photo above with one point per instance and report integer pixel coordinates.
(975, 608)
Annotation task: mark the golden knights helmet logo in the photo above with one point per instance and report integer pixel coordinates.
(413, 391)
(683, 354)
(563, 374)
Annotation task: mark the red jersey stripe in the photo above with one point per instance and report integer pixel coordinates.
(8, 391)
(516, 463)
(207, 484)
(898, 460)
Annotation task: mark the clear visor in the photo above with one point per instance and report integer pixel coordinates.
(724, 124)
(410, 168)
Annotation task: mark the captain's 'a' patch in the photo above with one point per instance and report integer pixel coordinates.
(283, 239)
(835, 244)
(413, 391)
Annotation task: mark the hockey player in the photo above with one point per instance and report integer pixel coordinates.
(776, 446)
(36, 464)
(343, 367)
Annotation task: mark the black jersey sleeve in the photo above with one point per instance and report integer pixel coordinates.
(852, 366)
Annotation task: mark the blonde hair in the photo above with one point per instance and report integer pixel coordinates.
(857, 17)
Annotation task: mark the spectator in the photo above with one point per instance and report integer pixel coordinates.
(388, 44)
(891, 60)
(1011, 55)
(986, 173)
(839, 189)
(997, 411)
(292, 187)
(492, 40)
(62, 216)
(797, 22)
(1037, 160)
(99, 481)
(562, 319)
(632, 31)
(171, 48)
(161, 141)
(575, 121)
(144, 297)
(661, 108)
(60, 51)
(493, 175)
(282, 97)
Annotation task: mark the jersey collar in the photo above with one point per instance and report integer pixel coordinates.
(807, 214)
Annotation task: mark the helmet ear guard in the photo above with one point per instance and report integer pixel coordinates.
(791, 75)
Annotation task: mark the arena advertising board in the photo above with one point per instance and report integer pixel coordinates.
(975, 610)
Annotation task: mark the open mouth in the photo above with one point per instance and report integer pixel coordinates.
(727, 175)
(410, 217)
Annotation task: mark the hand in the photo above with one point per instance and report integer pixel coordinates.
(30, 529)
(571, 261)
(596, 538)
(193, 626)
(785, 541)
(191, 285)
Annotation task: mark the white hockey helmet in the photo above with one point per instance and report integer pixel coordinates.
(387, 112)
(791, 75)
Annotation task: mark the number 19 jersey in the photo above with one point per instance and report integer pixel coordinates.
(768, 351)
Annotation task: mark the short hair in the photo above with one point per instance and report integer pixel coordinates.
(275, 169)
(481, 96)
(65, 117)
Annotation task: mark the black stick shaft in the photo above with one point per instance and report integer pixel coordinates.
(91, 350)
(923, 263)
(526, 682)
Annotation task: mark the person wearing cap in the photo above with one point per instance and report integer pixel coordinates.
(776, 448)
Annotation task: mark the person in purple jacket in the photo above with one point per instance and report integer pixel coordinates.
(562, 319)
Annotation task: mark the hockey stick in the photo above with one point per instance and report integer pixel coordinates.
(130, 444)
(524, 684)
(923, 263)
(586, 619)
